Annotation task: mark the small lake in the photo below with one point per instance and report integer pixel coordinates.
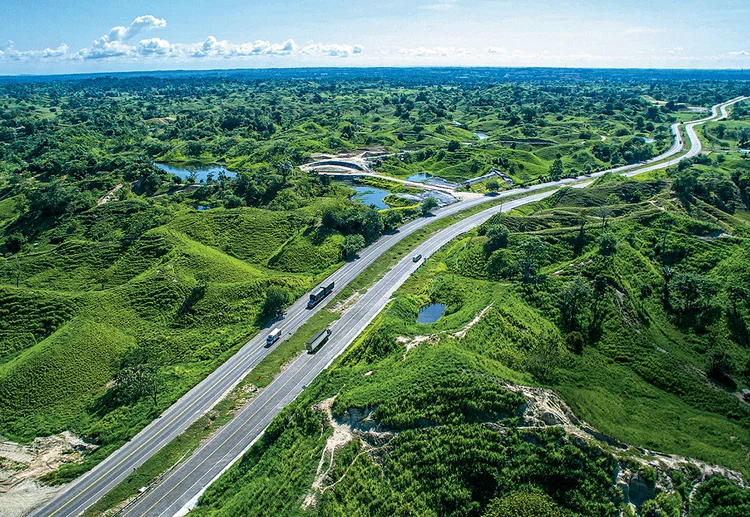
(431, 313)
(426, 177)
(201, 172)
(370, 196)
(648, 140)
(481, 136)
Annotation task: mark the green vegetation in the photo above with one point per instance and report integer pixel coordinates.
(622, 298)
(122, 285)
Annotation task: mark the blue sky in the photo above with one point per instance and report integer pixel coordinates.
(44, 36)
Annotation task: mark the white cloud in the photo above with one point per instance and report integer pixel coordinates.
(331, 50)
(739, 53)
(138, 25)
(434, 51)
(117, 44)
(497, 50)
(113, 44)
(7, 49)
(153, 46)
(676, 50)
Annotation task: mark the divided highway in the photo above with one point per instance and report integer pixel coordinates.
(186, 481)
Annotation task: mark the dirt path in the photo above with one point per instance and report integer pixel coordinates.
(109, 196)
(21, 466)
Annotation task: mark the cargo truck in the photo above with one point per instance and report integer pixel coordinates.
(317, 340)
(318, 294)
(273, 337)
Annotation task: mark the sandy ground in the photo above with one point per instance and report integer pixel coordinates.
(21, 465)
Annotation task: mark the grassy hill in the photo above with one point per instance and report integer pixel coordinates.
(133, 282)
(619, 298)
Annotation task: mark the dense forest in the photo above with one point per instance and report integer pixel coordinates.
(122, 285)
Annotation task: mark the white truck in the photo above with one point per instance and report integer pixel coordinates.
(273, 337)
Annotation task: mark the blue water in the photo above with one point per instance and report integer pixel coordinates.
(422, 176)
(201, 172)
(431, 313)
(370, 196)
(429, 179)
(481, 136)
(648, 140)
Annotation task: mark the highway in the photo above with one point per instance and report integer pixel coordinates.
(186, 481)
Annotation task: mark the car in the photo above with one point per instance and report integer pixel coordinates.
(416, 258)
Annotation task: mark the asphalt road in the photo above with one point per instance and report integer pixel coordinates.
(183, 484)
(187, 480)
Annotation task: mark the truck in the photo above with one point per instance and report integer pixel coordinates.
(273, 336)
(318, 294)
(317, 340)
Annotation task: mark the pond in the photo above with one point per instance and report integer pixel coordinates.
(370, 196)
(426, 177)
(481, 136)
(648, 140)
(201, 172)
(431, 313)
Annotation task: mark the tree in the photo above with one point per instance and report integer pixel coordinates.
(134, 382)
(575, 342)
(352, 245)
(685, 184)
(556, 171)
(502, 264)
(573, 300)
(719, 365)
(15, 242)
(392, 219)
(533, 251)
(690, 293)
(428, 205)
(524, 504)
(607, 244)
(492, 185)
(276, 301)
(497, 237)
(453, 145)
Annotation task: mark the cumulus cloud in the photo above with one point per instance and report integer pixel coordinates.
(138, 25)
(119, 43)
(212, 47)
(113, 44)
(739, 53)
(8, 50)
(153, 46)
(497, 50)
(676, 50)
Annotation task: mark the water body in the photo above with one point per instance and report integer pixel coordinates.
(429, 179)
(481, 136)
(431, 313)
(201, 171)
(370, 196)
(648, 140)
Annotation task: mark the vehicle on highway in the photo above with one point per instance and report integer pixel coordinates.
(273, 337)
(416, 258)
(318, 294)
(317, 340)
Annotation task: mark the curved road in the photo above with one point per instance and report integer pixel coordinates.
(184, 483)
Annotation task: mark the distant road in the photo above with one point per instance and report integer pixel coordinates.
(186, 481)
